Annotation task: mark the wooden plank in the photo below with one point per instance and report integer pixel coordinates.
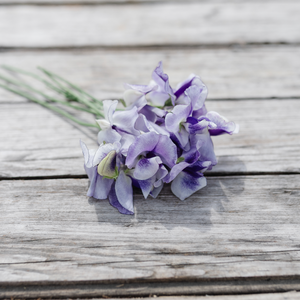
(150, 24)
(36, 142)
(39, 143)
(236, 72)
(235, 228)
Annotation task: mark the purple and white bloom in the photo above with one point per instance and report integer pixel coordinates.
(162, 137)
(107, 178)
(149, 156)
(163, 91)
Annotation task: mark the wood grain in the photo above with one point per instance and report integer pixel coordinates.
(236, 227)
(237, 72)
(39, 143)
(150, 24)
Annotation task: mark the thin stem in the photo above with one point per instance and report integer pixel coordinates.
(61, 90)
(69, 83)
(51, 107)
(47, 83)
(81, 99)
(18, 83)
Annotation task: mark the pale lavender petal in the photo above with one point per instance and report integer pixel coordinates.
(124, 191)
(141, 88)
(162, 80)
(222, 124)
(144, 142)
(184, 185)
(158, 98)
(134, 98)
(126, 141)
(92, 175)
(207, 149)
(193, 94)
(114, 201)
(200, 112)
(125, 120)
(159, 76)
(102, 187)
(146, 168)
(183, 138)
(102, 151)
(175, 171)
(161, 173)
(99, 187)
(179, 114)
(109, 107)
(108, 136)
(146, 186)
(167, 150)
(85, 152)
(155, 192)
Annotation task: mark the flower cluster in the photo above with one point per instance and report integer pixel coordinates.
(163, 136)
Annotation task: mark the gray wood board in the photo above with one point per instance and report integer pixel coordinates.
(36, 142)
(237, 72)
(236, 227)
(150, 24)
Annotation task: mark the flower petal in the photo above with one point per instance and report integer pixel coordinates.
(222, 124)
(125, 120)
(99, 186)
(184, 185)
(124, 191)
(114, 201)
(102, 151)
(179, 114)
(167, 150)
(146, 186)
(146, 168)
(108, 136)
(109, 107)
(144, 142)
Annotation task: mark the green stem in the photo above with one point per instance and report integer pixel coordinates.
(18, 83)
(51, 107)
(69, 83)
(94, 107)
(62, 90)
(47, 83)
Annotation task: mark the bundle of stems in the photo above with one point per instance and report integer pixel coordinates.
(66, 94)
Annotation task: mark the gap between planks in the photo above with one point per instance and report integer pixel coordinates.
(158, 288)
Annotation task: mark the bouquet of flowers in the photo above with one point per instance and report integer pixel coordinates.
(163, 135)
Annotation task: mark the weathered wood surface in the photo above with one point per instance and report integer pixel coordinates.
(250, 219)
(38, 143)
(237, 72)
(150, 24)
(240, 227)
(238, 235)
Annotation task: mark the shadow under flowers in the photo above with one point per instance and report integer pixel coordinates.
(169, 212)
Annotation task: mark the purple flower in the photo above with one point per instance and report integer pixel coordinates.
(107, 178)
(149, 144)
(163, 91)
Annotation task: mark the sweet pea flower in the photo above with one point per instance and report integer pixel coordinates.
(162, 137)
(163, 91)
(107, 177)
